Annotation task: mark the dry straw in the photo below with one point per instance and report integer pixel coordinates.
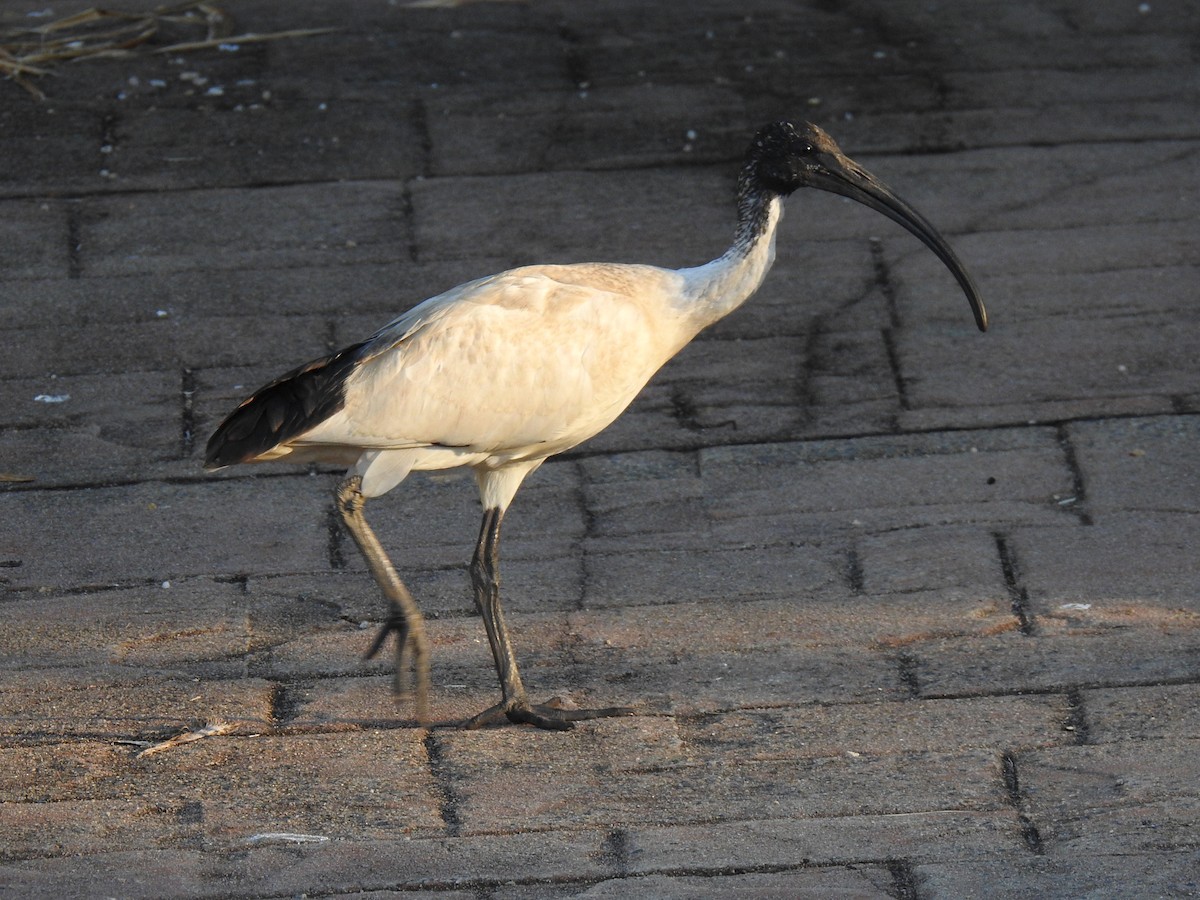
(95, 33)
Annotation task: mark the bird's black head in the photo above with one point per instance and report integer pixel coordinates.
(784, 157)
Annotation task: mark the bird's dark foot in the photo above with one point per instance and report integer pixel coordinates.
(396, 623)
(410, 638)
(553, 715)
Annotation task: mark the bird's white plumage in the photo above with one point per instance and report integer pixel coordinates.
(503, 372)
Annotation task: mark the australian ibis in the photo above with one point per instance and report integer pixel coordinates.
(503, 372)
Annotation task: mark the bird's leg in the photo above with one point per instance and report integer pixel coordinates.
(403, 618)
(485, 578)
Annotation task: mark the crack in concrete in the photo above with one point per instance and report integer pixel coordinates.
(444, 784)
(1012, 788)
(1078, 489)
(1017, 592)
(904, 880)
(187, 413)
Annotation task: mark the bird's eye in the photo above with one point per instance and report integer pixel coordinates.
(809, 148)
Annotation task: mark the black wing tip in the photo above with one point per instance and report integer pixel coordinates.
(219, 455)
(279, 411)
(244, 433)
(222, 453)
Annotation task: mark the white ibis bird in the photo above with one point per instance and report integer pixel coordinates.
(501, 373)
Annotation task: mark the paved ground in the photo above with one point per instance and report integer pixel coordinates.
(912, 612)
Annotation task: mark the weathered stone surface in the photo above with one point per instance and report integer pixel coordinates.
(1117, 875)
(1138, 713)
(1133, 568)
(1063, 653)
(902, 609)
(147, 532)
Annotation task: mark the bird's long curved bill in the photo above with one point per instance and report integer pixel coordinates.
(851, 180)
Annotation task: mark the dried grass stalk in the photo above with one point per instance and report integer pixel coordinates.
(107, 33)
(187, 737)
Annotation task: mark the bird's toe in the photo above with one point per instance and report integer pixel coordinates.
(554, 715)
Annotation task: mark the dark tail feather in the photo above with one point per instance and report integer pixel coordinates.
(288, 406)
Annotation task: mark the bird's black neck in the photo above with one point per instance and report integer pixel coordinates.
(717, 288)
(754, 212)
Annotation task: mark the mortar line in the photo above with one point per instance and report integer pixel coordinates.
(1078, 490)
(906, 664)
(408, 215)
(904, 879)
(449, 800)
(108, 132)
(1017, 593)
(575, 61)
(187, 417)
(854, 571)
(283, 706)
(419, 117)
(1012, 787)
(684, 410)
(1077, 720)
(883, 280)
(616, 850)
(334, 538)
(893, 356)
(806, 395)
(74, 240)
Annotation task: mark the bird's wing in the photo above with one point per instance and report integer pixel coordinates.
(280, 410)
(535, 359)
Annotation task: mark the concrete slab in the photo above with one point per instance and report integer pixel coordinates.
(1169, 874)
(1059, 657)
(489, 787)
(1121, 713)
(1104, 799)
(337, 224)
(1150, 580)
(144, 533)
